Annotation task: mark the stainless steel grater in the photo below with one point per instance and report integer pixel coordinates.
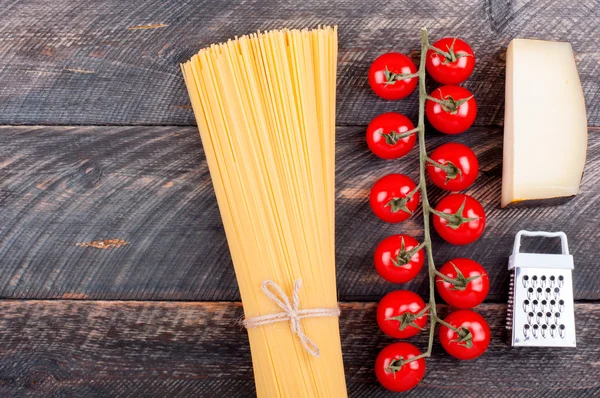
(541, 311)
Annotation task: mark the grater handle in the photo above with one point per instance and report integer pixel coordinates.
(561, 235)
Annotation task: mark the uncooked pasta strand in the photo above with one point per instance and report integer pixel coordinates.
(265, 108)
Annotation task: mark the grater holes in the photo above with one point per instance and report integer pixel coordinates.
(540, 310)
(530, 293)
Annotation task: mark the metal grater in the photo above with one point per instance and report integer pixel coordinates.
(541, 312)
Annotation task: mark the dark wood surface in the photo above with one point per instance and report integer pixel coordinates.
(105, 195)
(78, 62)
(138, 349)
(149, 187)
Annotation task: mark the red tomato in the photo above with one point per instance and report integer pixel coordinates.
(464, 221)
(392, 373)
(396, 314)
(389, 198)
(453, 67)
(457, 113)
(470, 283)
(474, 336)
(386, 76)
(461, 163)
(394, 260)
(383, 135)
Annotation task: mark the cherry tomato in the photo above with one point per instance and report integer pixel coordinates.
(389, 198)
(465, 220)
(461, 163)
(383, 135)
(474, 336)
(470, 285)
(385, 76)
(392, 373)
(454, 69)
(396, 314)
(395, 260)
(457, 113)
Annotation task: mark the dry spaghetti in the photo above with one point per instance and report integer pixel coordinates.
(291, 312)
(265, 107)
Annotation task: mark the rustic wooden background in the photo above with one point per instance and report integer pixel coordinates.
(115, 277)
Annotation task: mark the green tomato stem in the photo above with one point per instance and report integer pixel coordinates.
(447, 55)
(442, 322)
(427, 209)
(423, 311)
(444, 277)
(436, 164)
(407, 133)
(423, 183)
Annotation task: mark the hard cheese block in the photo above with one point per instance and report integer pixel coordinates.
(545, 124)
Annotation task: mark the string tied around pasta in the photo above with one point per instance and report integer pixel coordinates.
(291, 312)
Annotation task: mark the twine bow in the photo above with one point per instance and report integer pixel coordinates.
(291, 312)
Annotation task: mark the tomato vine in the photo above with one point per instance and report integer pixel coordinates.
(427, 208)
(458, 218)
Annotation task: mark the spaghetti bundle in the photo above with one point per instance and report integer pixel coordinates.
(265, 107)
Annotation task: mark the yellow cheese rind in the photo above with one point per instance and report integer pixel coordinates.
(545, 123)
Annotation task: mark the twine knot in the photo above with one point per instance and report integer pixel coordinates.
(291, 312)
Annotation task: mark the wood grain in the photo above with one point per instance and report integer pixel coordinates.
(150, 187)
(110, 62)
(124, 349)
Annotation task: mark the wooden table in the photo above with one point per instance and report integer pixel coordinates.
(115, 276)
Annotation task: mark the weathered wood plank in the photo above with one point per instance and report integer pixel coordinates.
(149, 189)
(158, 349)
(78, 62)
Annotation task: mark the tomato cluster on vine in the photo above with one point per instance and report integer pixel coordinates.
(458, 218)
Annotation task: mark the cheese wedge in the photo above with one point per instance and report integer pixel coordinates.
(545, 124)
